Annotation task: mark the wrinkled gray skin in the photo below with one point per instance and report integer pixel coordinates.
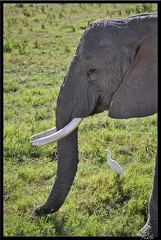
(115, 68)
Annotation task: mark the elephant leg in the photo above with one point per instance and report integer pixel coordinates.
(151, 226)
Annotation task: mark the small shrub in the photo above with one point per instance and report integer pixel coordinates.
(20, 5)
(119, 12)
(67, 49)
(138, 9)
(61, 15)
(21, 46)
(144, 8)
(36, 45)
(7, 46)
(43, 9)
(147, 7)
(43, 26)
(10, 87)
(72, 29)
(26, 13)
(128, 11)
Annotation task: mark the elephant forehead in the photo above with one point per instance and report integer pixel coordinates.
(95, 43)
(103, 51)
(105, 41)
(93, 58)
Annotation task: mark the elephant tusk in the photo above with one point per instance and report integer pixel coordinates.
(70, 127)
(43, 134)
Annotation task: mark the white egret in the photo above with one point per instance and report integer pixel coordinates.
(113, 164)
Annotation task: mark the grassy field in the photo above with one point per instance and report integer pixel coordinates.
(39, 42)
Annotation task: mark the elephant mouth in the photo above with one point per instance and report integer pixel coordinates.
(103, 103)
(100, 107)
(96, 110)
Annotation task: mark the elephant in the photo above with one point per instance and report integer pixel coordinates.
(114, 68)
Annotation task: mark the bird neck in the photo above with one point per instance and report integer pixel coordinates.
(109, 155)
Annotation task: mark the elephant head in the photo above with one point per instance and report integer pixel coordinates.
(114, 68)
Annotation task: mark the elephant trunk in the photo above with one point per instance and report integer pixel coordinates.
(67, 150)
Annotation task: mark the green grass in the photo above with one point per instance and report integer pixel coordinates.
(39, 42)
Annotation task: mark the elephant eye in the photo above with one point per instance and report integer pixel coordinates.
(92, 74)
(90, 71)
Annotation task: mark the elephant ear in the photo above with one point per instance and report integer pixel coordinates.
(137, 94)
